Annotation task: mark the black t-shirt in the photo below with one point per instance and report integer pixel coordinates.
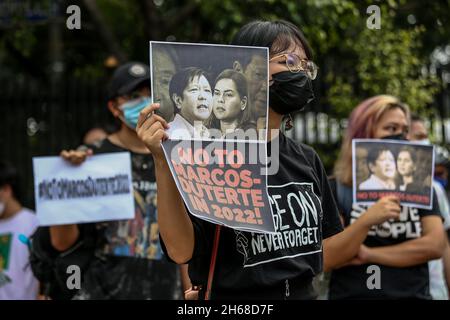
(396, 283)
(281, 266)
(132, 265)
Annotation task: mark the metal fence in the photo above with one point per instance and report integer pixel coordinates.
(37, 120)
(319, 128)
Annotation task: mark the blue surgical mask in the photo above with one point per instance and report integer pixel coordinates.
(131, 110)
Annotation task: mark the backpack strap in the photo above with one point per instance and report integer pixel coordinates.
(212, 265)
(342, 194)
(345, 197)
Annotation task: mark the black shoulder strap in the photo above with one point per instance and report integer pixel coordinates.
(332, 182)
(345, 197)
(342, 194)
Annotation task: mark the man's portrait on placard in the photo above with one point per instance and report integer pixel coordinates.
(397, 167)
(210, 91)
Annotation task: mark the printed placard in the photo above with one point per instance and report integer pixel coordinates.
(393, 167)
(214, 95)
(98, 190)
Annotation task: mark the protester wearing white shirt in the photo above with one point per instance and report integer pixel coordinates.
(17, 281)
(439, 269)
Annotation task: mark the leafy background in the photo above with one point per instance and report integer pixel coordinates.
(409, 56)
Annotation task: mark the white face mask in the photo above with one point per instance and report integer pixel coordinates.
(424, 141)
(2, 208)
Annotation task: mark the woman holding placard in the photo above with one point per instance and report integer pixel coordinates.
(249, 265)
(392, 261)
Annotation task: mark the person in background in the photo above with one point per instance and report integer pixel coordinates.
(418, 131)
(401, 247)
(94, 135)
(439, 269)
(131, 263)
(17, 224)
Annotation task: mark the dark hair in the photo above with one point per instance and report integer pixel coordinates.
(415, 117)
(9, 176)
(276, 35)
(181, 80)
(374, 152)
(410, 151)
(242, 87)
(239, 80)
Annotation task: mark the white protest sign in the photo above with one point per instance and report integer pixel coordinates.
(98, 190)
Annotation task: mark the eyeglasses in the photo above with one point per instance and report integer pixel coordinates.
(296, 64)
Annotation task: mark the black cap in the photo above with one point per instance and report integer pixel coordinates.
(128, 77)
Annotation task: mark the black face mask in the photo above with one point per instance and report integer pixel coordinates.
(400, 136)
(290, 92)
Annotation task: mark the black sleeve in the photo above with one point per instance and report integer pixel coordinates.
(435, 211)
(203, 237)
(331, 223)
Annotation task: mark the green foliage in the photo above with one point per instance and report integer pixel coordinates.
(389, 64)
(355, 62)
